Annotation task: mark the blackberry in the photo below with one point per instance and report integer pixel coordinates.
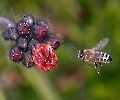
(40, 29)
(27, 60)
(15, 54)
(34, 45)
(23, 28)
(10, 34)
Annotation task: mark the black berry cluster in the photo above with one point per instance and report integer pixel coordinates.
(27, 33)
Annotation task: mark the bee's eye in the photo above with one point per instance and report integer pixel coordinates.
(81, 55)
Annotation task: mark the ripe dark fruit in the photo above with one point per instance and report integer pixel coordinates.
(54, 41)
(22, 42)
(40, 29)
(32, 44)
(23, 28)
(29, 19)
(27, 60)
(10, 34)
(15, 54)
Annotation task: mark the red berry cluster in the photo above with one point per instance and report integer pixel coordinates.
(34, 43)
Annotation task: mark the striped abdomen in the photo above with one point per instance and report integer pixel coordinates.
(102, 57)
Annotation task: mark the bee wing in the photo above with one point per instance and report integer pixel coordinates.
(101, 44)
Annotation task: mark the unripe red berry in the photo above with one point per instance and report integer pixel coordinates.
(44, 57)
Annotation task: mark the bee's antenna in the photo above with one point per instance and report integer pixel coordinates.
(75, 49)
(71, 57)
(74, 55)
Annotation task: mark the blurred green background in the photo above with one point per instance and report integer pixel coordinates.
(82, 23)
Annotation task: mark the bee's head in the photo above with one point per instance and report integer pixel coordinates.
(80, 53)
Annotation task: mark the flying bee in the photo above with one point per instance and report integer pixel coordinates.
(93, 56)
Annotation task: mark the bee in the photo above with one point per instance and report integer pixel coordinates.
(94, 56)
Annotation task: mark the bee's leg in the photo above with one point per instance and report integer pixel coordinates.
(95, 64)
(100, 64)
(89, 64)
(83, 59)
(97, 68)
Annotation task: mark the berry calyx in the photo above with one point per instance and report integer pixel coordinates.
(22, 42)
(10, 34)
(27, 60)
